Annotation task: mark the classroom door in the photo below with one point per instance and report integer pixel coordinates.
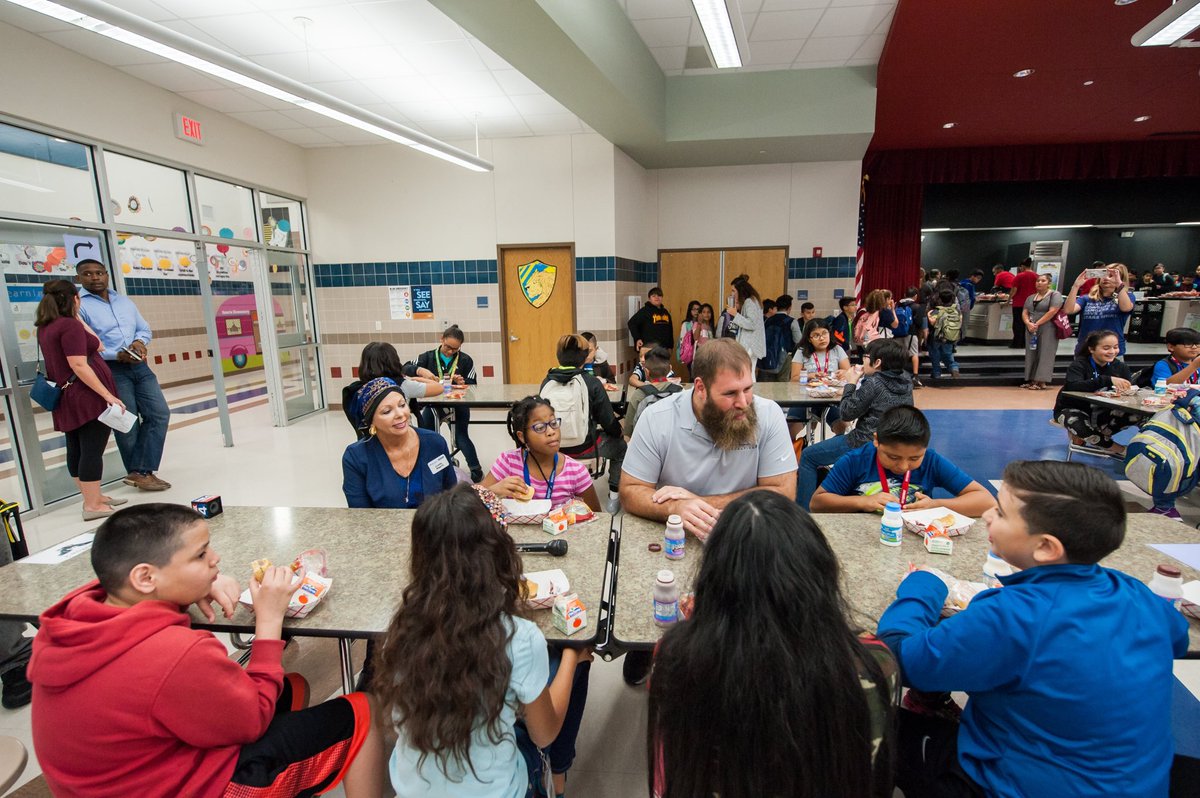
(687, 275)
(766, 268)
(538, 296)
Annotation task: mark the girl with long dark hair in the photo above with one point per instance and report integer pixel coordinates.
(821, 358)
(685, 329)
(459, 661)
(767, 689)
(73, 362)
(746, 313)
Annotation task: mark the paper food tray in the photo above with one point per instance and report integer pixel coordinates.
(916, 520)
(308, 595)
(526, 512)
(550, 585)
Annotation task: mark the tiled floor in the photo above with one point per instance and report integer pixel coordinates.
(980, 429)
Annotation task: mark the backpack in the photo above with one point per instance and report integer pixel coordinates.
(653, 395)
(776, 344)
(964, 300)
(1162, 457)
(948, 326)
(572, 407)
(866, 328)
(904, 317)
(687, 349)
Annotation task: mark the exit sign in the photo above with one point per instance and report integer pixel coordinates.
(188, 129)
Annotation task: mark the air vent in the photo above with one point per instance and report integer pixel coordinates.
(1046, 250)
(697, 58)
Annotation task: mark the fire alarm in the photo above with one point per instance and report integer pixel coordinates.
(817, 251)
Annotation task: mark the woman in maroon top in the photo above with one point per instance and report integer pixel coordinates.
(72, 355)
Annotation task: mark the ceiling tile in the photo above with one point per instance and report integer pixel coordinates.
(305, 67)
(351, 91)
(486, 107)
(853, 62)
(537, 105)
(657, 9)
(174, 77)
(853, 21)
(751, 6)
(871, 49)
(250, 34)
(409, 22)
(437, 58)
(224, 100)
(405, 88)
(362, 63)
(277, 5)
(31, 21)
(448, 128)
(838, 48)
(792, 5)
(347, 134)
(101, 48)
(270, 103)
(774, 52)
(466, 85)
(265, 120)
(146, 9)
(514, 83)
(388, 111)
(669, 58)
(664, 32)
(779, 25)
(504, 126)
(192, 32)
(818, 64)
(305, 137)
(891, 3)
(190, 9)
(553, 124)
(305, 118)
(696, 36)
(429, 111)
(489, 58)
(331, 28)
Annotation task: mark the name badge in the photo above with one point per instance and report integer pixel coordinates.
(438, 463)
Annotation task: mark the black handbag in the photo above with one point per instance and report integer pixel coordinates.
(46, 393)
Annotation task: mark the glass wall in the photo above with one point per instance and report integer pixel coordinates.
(45, 175)
(147, 194)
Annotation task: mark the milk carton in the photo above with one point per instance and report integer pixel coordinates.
(569, 614)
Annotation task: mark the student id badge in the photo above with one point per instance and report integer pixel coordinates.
(438, 464)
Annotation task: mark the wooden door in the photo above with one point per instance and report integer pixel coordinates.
(766, 268)
(538, 294)
(687, 275)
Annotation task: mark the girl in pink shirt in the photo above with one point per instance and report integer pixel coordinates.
(536, 462)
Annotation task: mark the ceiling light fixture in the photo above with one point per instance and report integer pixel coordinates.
(1022, 73)
(1059, 226)
(1170, 26)
(1088, 82)
(949, 125)
(1187, 224)
(1124, 2)
(717, 24)
(935, 229)
(119, 25)
(1141, 119)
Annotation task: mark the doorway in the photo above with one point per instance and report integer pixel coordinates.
(537, 294)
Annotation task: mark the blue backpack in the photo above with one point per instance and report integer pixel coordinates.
(1163, 457)
(776, 332)
(904, 316)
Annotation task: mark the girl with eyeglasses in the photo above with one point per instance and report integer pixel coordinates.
(536, 462)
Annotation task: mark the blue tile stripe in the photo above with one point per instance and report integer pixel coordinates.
(423, 272)
(815, 268)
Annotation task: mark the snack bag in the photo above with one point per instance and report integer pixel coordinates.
(577, 511)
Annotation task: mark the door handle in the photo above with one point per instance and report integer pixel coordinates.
(513, 338)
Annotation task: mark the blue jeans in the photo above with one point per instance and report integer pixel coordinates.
(561, 752)
(431, 417)
(819, 454)
(800, 413)
(941, 353)
(142, 447)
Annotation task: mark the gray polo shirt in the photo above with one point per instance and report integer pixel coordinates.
(671, 447)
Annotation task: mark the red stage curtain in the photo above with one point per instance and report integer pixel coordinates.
(892, 238)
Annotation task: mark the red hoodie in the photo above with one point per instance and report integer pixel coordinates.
(136, 702)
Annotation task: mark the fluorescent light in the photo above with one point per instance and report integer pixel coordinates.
(1185, 224)
(949, 125)
(1170, 26)
(935, 229)
(1022, 73)
(121, 26)
(1058, 226)
(27, 186)
(718, 30)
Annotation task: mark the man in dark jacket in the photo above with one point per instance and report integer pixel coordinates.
(652, 324)
(572, 354)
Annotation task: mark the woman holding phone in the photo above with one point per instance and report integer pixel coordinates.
(1106, 307)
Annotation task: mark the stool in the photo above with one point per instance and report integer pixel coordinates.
(12, 761)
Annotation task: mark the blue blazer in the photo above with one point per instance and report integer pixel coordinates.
(368, 479)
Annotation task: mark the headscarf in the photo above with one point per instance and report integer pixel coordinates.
(367, 400)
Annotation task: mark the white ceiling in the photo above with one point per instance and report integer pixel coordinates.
(783, 34)
(402, 59)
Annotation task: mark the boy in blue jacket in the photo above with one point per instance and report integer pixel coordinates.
(1068, 665)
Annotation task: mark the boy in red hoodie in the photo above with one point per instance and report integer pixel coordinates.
(128, 699)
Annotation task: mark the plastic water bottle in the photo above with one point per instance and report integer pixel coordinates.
(891, 529)
(1168, 584)
(803, 378)
(673, 538)
(589, 368)
(666, 599)
(1033, 341)
(993, 568)
(446, 384)
(1160, 388)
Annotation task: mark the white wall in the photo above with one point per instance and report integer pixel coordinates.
(636, 209)
(48, 84)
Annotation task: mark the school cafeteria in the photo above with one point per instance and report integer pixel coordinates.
(608, 398)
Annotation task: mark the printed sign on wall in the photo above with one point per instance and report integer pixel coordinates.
(537, 281)
(422, 301)
(400, 301)
(156, 258)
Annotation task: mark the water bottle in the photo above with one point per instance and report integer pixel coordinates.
(673, 538)
(1168, 584)
(993, 568)
(803, 378)
(1033, 341)
(1160, 388)
(446, 384)
(666, 599)
(891, 529)
(589, 368)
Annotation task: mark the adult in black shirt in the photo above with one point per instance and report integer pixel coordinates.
(448, 360)
(652, 324)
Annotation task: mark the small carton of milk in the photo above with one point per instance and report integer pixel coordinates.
(555, 523)
(569, 614)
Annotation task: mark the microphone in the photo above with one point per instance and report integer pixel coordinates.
(555, 548)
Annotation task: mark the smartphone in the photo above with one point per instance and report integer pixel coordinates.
(131, 353)
(1095, 274)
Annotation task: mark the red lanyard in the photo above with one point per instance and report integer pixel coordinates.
(1181, 366)
(885, 485)
(819, 369)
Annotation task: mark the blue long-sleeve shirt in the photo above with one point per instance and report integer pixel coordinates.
(370, 480)
(1068, 668)
(117, 321)
(970, 286)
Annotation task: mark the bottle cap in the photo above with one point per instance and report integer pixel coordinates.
(666, 577)
(1170, 571)
(892, 506)
(674, 520)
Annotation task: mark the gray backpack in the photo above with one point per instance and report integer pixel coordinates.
(651, 396)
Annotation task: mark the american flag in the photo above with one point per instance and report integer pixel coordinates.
(858, 264)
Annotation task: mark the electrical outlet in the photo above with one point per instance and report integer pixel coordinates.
(378, 326)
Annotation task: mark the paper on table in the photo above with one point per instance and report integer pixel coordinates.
(1186, 553)
(63, 551)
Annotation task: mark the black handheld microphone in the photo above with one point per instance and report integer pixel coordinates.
(555, 548)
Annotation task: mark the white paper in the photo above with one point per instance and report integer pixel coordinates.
(400, 302)
(63, 551)
(118, 419)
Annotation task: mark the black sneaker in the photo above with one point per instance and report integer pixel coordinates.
(636, 667)
(917, 382)
(17, 690)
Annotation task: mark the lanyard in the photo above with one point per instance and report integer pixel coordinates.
(1178, 367)
(885, 484)
(437, 356)
(818, 365)
(549, 480)
(1095, 368)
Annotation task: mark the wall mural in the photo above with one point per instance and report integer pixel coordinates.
(537, 281)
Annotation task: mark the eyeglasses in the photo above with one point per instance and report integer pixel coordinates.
(540, 427)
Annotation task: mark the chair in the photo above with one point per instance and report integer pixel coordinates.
(13, 758)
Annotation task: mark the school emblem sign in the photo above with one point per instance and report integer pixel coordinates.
(537, 281)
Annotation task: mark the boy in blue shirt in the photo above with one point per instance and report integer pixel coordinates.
(1068, 665)
(901, 457)
(1180, 365)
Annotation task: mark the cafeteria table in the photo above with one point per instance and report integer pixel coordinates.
(368, 559)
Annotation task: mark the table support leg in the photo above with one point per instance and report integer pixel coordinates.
(347, 665)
